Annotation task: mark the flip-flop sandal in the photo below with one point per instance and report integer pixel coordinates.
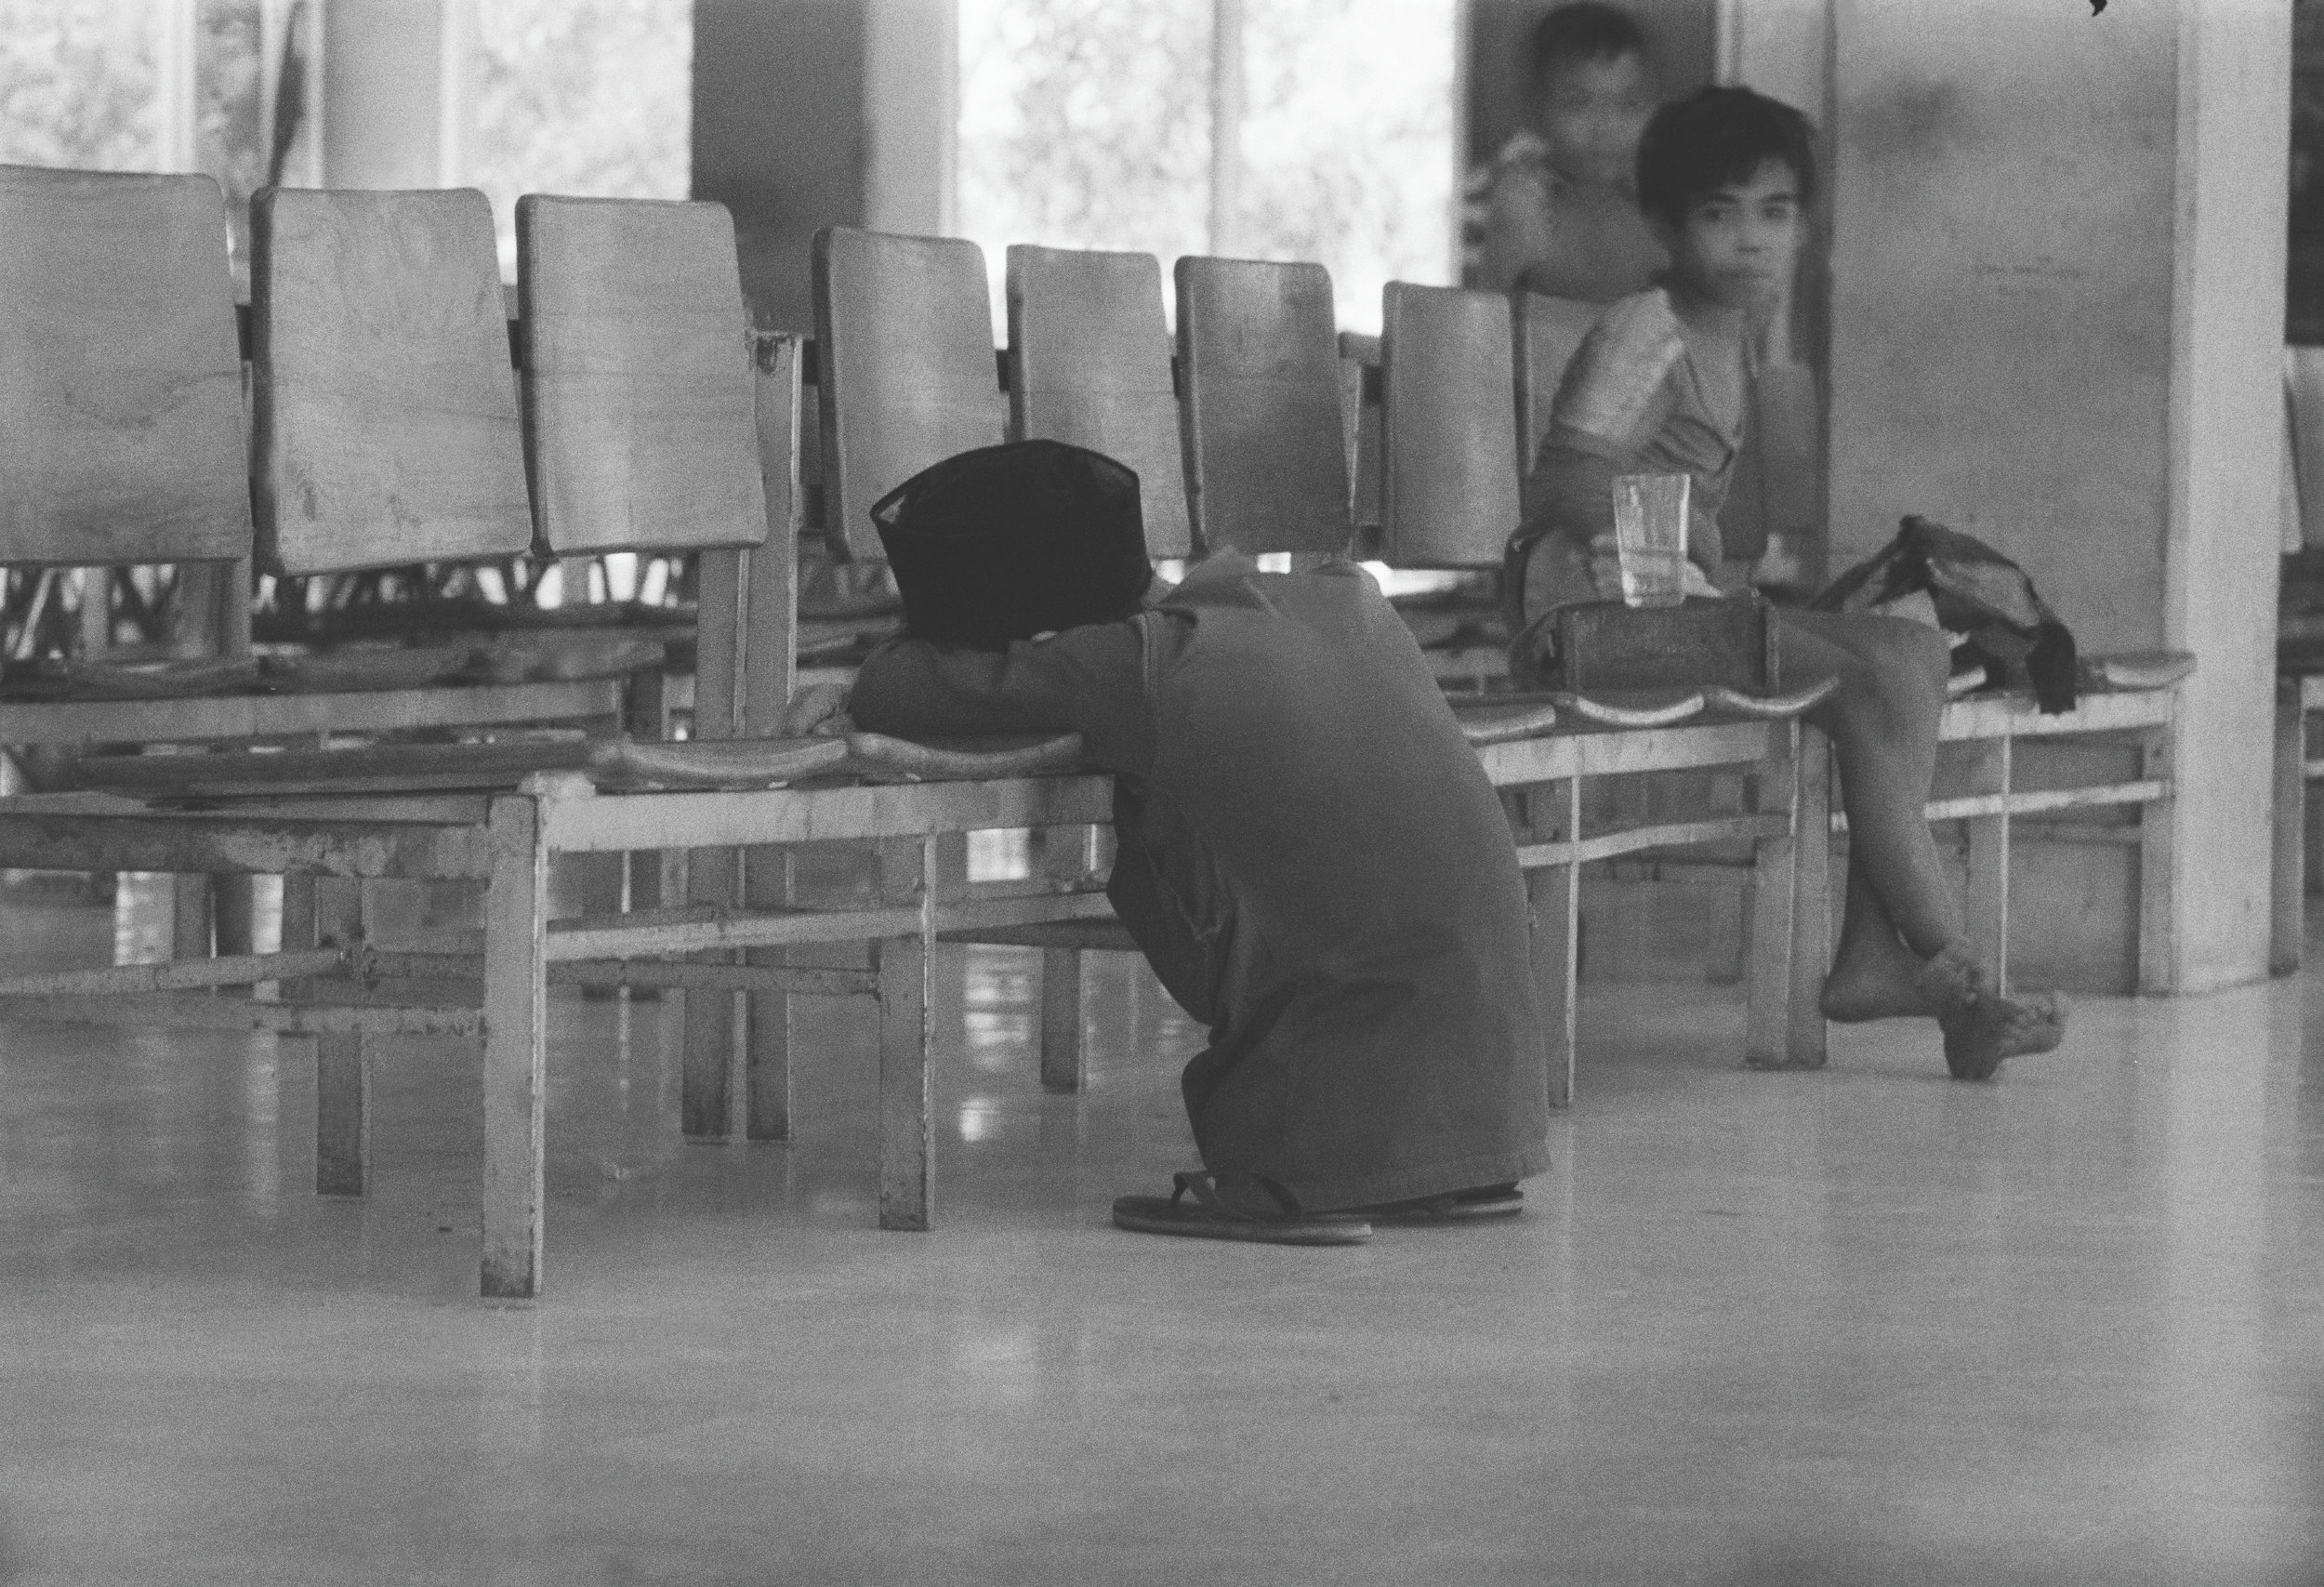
(1452, 1207)
(1195, 1210)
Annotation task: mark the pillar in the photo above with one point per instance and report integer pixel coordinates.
(810, 114)
(2057, 322)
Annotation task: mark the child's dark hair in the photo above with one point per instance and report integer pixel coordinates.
(1715, 137)
(1583, 30)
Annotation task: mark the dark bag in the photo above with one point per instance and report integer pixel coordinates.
(1006, 542)
(1977, 592)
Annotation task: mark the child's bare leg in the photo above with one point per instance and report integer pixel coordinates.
(1883, 722)
(1874, 975)
(1901, 948)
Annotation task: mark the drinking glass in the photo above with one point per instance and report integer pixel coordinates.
(1650, 537)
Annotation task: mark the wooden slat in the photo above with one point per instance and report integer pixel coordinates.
(1612, 752)
(1986, 716)
(1606, 845)
(385, 408)
(904, 331)
(195, 1010)
(818, 815)
(260, 845)
(292, 716)
(1259, 370)
(1090, 363)
(1449, 434)
(636, 377)
(1549, 332)
(120, 422)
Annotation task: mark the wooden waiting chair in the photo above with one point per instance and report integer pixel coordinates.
(134, 452)
(1451, 438)
(500, 813)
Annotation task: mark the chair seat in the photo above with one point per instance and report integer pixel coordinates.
(155, 678)
(612, 765)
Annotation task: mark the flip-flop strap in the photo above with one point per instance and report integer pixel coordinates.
(1203, 1185)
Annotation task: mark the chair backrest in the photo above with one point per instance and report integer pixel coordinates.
(1549, 332)
(635, 367)
(904, 332)
(383, 399)
(1259, 388)
(121, 431)
(1449, 462)
(1090, 363)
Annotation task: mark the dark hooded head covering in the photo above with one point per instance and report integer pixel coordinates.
(1006, 542)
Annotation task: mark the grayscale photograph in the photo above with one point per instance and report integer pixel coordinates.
(1134, 793)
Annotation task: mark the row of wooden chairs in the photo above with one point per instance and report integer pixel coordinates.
(1252, 407)
(331, 441)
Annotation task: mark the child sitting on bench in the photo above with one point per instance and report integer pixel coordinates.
(1310, 853)
(1660, 386)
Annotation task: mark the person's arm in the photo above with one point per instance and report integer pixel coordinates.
(1090, 681)
(1517, 232)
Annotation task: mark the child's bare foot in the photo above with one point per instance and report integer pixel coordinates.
(1982, 1027)
(1877, 978)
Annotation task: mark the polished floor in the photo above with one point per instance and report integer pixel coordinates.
(1859, 1327)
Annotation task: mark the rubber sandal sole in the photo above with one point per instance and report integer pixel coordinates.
(1160, 1215)
(1450, 1209)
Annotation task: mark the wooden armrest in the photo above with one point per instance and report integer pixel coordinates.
(1771, 707)
(1506, 725)
(876, 755)
(2140, 669)
(1961, 683)
(1635, 711)
(713, 763)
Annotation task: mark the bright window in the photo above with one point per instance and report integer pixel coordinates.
(588, 98)
(1089, 123)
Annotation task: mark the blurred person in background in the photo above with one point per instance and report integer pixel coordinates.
(1556, 210)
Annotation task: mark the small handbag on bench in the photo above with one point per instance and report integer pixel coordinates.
(1606, 647)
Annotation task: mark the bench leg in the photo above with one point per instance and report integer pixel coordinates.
(2288, 900)
(708, 1071)
(1792, 917)
(189, 915)
(516, 1048)
(1984, 906)
(1555, 892)
(2158, 879)
(234, 910)
(769, 881)
(906, 1129)
(1067, 856)
(1775, 905)
(342, 1066)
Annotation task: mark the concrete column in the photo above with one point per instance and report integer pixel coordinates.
(810, 114)
(2226, 433)
(911, 114)
(2057, 322)
(396, 91)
